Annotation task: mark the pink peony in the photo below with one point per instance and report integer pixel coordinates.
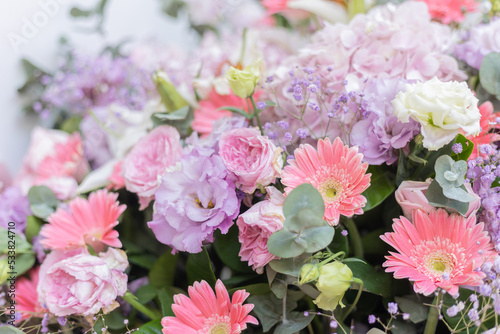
(27, 297)
(256, 226)
(149, 159)
(335, 171)
(54, 159)
(411, 196)
(85, 222)
(209, 112)
(438, 251)
(253, 158)
(205, 312)
(73, 282)
(448, 11)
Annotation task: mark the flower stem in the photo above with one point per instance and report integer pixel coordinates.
(134, 302)
(355, 238)
(256, 114)
(433, 316)
(353, 305)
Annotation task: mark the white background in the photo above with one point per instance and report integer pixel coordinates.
(135, 19)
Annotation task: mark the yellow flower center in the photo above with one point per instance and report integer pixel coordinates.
(330, 189)
(217, 324)
(209, 206)
(439, 262)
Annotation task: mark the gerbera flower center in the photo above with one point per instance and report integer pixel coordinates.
(217, 324)
(330, 189)
(438, 263)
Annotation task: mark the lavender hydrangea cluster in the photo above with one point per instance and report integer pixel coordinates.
(14, 207)
(478, 42)
(194, 201)
(379, 134)
(85, 82)
(482, 173)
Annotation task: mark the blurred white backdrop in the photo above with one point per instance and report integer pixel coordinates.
(32, 28)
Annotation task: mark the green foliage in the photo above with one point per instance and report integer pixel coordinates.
(436, 198)
(417, 310)
(152, 327)
(163, 271)
(489, 73)
(304, 229)
(228, 247)
(381, 187)
(43, 202)
(24, 255)
(377, 282)
(467, 148)
(33, 226)
(450, 175)
(199, 268)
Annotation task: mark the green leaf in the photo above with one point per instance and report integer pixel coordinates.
(163, 271)
(403, 327)
(294, 323)
(304, 219)
(10, 330)
(143, 260)
(168, 93)
(33, 226)
(177, 115)
(376, 282)
(290, 266)
(166, 299)
(72, 124)
(381, 187)
(437, 199)
(253, 289)
(152, 327)
(417, 310)
(448, 301)
(25, 258)
(467, 148)
(228, 247)
(114, 320)
(304, 196)
(77, 12)
(269, 309)
(237, 111)
(318, 238)
(286, 244)
(146, 293)
(489, 73)
(43, 202)
(199, 268)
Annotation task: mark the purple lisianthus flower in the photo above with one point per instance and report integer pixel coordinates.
(193, 202)
(380, 134)
(14, 208)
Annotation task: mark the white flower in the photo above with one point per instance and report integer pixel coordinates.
(442, 108)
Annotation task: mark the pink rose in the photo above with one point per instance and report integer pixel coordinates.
(253, 158)
(411, 196)
(54, 159)
(256, 225)
(75, 282)
(148, 160)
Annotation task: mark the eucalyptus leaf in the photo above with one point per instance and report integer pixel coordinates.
(43, 202)
(10, 330)
(295, 322)
(489, 73)
(304, 219)
(286, 244)
(318, 238)
(437, 199)
(290, 266)
(304, 196)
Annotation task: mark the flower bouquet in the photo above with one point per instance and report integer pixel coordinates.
(310, 167)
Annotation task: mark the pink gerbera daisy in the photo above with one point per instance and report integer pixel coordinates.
(488, 135)
(27, 296)
(85, 222)
(206, 312)
(336, 171)
(438, 251)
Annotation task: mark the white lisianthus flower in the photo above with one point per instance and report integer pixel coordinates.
(442, 108)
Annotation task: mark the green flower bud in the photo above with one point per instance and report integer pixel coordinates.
(308, 273)
(334, 280)
(243, 82)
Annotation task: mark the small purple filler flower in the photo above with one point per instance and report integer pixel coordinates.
(195, 201)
